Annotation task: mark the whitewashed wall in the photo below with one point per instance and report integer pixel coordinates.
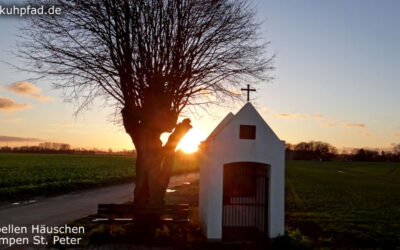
(226, 147)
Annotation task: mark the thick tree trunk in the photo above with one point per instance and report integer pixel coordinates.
(154, 164)
(141, 191)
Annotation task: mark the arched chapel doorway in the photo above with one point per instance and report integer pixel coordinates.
(245, 200)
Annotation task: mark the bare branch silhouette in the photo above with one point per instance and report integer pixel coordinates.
(151, 59)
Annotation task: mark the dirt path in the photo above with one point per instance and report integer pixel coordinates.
(66, 208)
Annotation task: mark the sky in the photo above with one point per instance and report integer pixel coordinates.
(336, 80)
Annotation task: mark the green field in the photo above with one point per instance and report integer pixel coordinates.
(331, 205)
(28, 175)
(357, 207)
(328, 204)
(337, 204)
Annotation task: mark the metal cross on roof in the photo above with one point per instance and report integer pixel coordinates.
(248, 91)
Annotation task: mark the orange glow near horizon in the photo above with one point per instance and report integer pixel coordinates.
(191, 141)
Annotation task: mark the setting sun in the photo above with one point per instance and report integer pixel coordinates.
(191, 141)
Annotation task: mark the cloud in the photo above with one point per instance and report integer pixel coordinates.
(66, 125)
(265, 110)
(236, 92)
(354, 125)
(328, 125)
(13, 119)
(27, 89)
(293, 115)
(360, 127)
(17, 139)
(343, 125)
(206, 92)
(320, 116)
(323, 121)
(8, 104)
(317, 116)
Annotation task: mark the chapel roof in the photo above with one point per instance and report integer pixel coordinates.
(248, 107)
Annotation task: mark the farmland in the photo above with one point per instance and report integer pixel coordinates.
(328, 205)
(353, 204)
(335, 204)
(27, 175)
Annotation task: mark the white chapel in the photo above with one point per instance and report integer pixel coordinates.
(242, 181)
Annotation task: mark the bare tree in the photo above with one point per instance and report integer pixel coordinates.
(396, 152)
(323, 150)
(150, 58)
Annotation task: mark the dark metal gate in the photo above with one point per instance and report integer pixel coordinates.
(245, 200)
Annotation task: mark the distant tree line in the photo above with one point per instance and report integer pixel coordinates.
(54, 146)
(309, 151)
(322, 151)
(61, 148)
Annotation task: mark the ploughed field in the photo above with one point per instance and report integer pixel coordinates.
(353, 204)
(23, 176)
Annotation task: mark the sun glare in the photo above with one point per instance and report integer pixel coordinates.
(191, 141)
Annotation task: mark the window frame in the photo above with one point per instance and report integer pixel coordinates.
(247, 132)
